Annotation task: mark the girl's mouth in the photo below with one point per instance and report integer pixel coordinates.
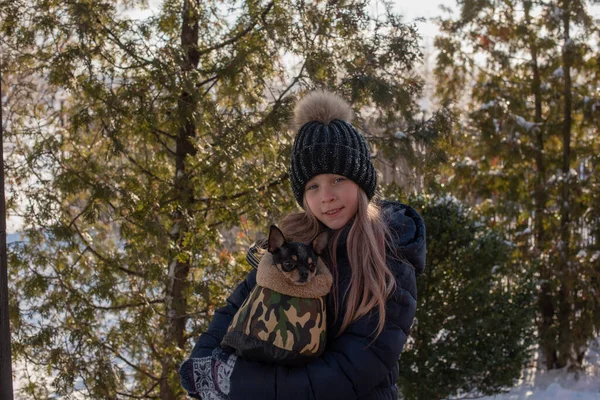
(333, 212)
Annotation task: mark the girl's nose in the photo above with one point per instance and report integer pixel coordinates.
(327, 197)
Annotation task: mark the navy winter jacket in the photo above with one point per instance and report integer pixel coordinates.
(352, 367)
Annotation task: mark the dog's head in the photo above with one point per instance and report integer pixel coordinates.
(297, 261)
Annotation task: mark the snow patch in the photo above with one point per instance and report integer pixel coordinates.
(568, 43)
(400, 135)
(467, 162)
(539, 384)
(441, 336)
(557, 14)
(496, 125)
(488, 105)
(558, 72)
(522, 122)
(526, 231)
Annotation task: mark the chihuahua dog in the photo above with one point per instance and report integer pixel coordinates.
(297, 261)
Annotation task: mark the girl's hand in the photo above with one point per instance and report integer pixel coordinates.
(208, 378)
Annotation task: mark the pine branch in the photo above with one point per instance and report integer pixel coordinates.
(122, 46)
(121, 149)
(137, 368)
(167, 134)
(146, 395)
(102, 258)
(276, 182)
(124, 306)
(89, 303)
(155, 132)
(240, 35)
(79, 215)
(208, 80)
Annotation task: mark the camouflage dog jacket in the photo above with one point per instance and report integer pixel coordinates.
(281, 322)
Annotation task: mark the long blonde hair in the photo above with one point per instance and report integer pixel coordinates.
(372, 281)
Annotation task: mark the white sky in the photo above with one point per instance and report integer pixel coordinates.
(427, 9)
(410, 10)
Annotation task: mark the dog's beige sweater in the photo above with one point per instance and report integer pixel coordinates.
(269, 276)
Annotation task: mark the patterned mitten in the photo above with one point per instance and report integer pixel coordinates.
(208, 378)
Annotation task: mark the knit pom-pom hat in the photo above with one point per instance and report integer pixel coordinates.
(327, 143)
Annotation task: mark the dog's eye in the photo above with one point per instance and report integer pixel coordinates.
(288, 265)
(311, 267)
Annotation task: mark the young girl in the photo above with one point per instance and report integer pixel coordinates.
(376, 249)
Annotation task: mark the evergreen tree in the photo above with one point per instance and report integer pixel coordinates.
(472, 334)
(527, 147)
(138, 143)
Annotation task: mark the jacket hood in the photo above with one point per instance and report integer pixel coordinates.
(408, 232)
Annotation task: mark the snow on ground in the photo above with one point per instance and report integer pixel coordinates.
(559, 384)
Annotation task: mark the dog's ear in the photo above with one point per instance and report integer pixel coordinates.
(276, 239)
(320, 242)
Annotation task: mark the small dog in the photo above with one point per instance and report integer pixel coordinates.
(297, 261)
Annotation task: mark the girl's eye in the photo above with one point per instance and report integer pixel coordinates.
(340, 179)
(311, 187)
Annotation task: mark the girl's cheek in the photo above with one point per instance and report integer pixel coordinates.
(308, 203)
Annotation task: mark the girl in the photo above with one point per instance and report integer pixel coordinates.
(376, 249)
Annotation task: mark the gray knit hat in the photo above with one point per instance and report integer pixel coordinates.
(327, 143)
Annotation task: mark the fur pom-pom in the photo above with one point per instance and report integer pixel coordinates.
(322, 106)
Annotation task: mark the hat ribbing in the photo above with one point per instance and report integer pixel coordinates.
(327, 143)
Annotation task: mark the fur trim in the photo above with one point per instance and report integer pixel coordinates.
(271, 277)
(321, 106)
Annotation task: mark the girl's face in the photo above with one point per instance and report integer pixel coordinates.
(333, 199)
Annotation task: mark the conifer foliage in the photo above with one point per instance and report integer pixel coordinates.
(473, 333)
(527, 149)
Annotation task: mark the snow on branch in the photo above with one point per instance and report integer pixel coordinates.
(523, 123)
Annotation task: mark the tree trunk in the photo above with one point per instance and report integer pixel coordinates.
(6, 389)
(547, 339)
(566, 273)
(176, 304)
